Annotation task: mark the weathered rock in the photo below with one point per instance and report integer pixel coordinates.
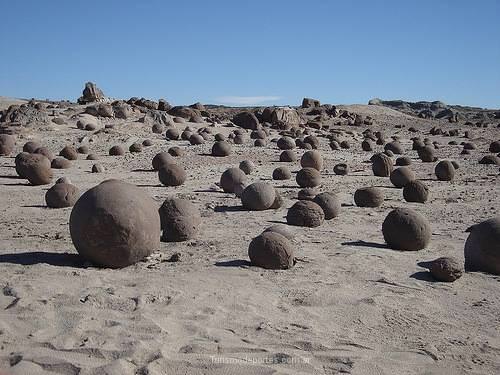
(271, 250)
(445, 171)
(7, 144)
(482, 248)
(400, 177)
(232, 177)
(246, 120)
(405, 229)
(446, 269)
(368, 197)
(416, 191)
(305, 213)
(258, 196)
(61, 195)
(308, 177)
(180, 220)
(381, 165)
(329, 203)
(172, 174)
(91, 93)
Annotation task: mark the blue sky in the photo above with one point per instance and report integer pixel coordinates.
(254, 52)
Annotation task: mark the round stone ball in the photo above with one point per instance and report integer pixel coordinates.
(369, 197)
(446, 269)
(494, 147)
(312, 159)
(20, 163)
(247, 166)
(172, 175)
(135, 147)
(482, 248)
(221, 148)
(286, 143)
(282, 229)
(445, 171)
(416, 191)
(288, 156)
(239, 139)
(45, 152)
(92, 157)
(97, 168)
(31, 146)
(60, 163)
(176, 151)
(313, 141)
(84, 149)
(180, 220)
(63, 180)
(147, 142)
(160, 159)
(157, 128)
(116, 151)
(61, 195)
(186, 135)
(329, 203)
(405, 229)
(282, 173)
(401, 176)
(490, 159)
(36, 169)
(232, 177)
(69, 152)
(271, 250)
(220, 137)
(395, 147)
(305, 214)
(307, 194)
(403, 161)
(260, 143)
(7, 144)
(341, 169)
(381, 165)
(196, 139)
(172, 134)
(426, 154)
(115, 224)
(367, 145)
(334, 145)
(345, 145)
(308, 177)
(258, 196)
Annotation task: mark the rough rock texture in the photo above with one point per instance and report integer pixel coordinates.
(312, 159)
(305, 213)
(115, 224)
(445, 171)
(271, 250)
(330, 204)
(482, 248)
(258, 196)
(405, 229)
(180, 220)
(369, 197)
(446, 269)
(416, 191)
(232, 177)
(381, 165)
(172, 175)
(91, 93)
(400, 177)
(308, 177)
(61, 195)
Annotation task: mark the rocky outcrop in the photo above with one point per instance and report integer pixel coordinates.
(91, 94)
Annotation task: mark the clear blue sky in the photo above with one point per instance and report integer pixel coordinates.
(235, 52)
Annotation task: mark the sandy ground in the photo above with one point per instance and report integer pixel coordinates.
(350, 305)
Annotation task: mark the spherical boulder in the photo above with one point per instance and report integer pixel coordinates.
(341, 169)
(394, 147)
(60, 163)
(83, 149)
(445, 171)
(260, 143)
(135, 147)
(482, 248)
(61, 195)
(230, 178)
(307, 194)
(312, 159)
(329, 203)
(490, 159)
(494, 147)
(369, 197)
(405, 229)
(221, 148)
(426, 154)
(247, 166)
(172, 174)
(31, 146)
(305, 214)
(258, 196)
(308, 177)
(401, 176)
(176, 151)
(147, 143)
(312, 140)
(282, 173)
(180, 220)
(288, 156)
(282, 229)
(45, 152)
(196, 139)
(160, 159)
(172, 134)
(416, 191)
(69, 152)
(116, 151)
(7, 144)
(381, 165)
(35, 168)
(446, 269)
(271, 250)
(403, 161)
(286, 143)
(115, 224)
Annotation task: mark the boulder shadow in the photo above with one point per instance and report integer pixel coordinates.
(366, 244)
(230, 209)
(18, 184)
(233, 263)
(423, 276)
(41, 257)
(35, 206)
(142, 170)
(13, 177)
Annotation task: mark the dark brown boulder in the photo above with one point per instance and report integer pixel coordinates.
(368, 197)
(405, 229)
(180, 220)
(446, 269)
(308, 177)
(172, 174)
(7, 144)
(482, 248)
(271, 250)
(258, 196)
(246, 120)
(416, 191)
(329, 203)
(305, 213)
(61, 195)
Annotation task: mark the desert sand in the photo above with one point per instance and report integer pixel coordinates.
(350, 304)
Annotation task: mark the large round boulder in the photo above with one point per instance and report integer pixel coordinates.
(115, 224)
(305, 213)
(482, 248)
(308, 177)
(172, 174)
(179, 220)
(405, 229)
(381, 165)
(7, 144)
(231, 178)
(369, 197)
(259, 196)
(61, 195)
(416, 191)
(400, 177)
(330, 204)
(271, 250)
